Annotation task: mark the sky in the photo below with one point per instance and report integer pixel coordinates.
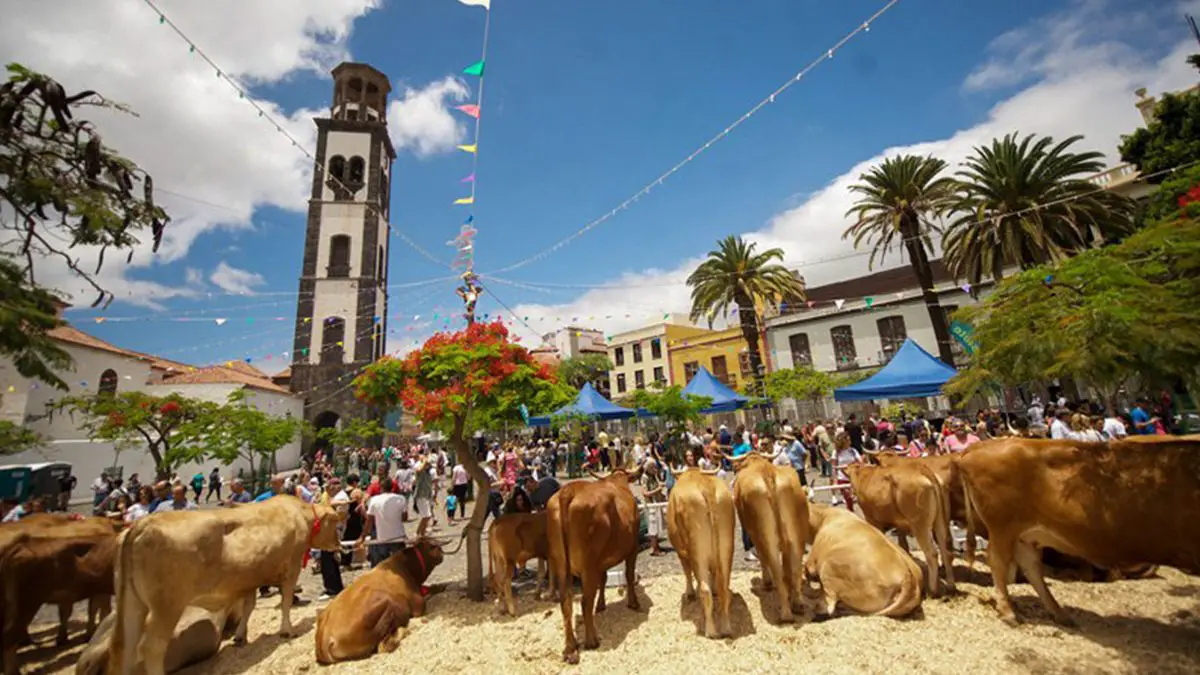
(585, 104)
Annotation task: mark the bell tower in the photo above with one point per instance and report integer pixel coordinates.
(341, 312)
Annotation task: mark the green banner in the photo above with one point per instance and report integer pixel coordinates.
(965, 335)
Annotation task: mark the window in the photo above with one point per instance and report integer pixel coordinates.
(337, 167)
(891, 335)
(659, 376)
(639, 379)
(690, 369)
(656, 349)
(637, 352)
(358, 171)
(620, 383)
(720, 370)
(377, 346)
(332, 336)
(801, 351)
(380, 266)
(744, 365)
(844, 352)
(108, 382)
(619, 356)
(339, 256)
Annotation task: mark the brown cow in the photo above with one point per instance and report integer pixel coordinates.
(60, 565)
(210, 559)
(700, 526)
(909, 498)
(773, 509)
(515, 539)
(858, 566)
(197, 638)
(592, 526)
(368, 616)
(1116, 505)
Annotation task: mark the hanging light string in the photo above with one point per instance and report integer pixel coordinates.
(645, 190)
(262, 112)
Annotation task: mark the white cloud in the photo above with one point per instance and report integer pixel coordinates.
(234, 280)
(421, 120)
(191, 132)
(1080, 80)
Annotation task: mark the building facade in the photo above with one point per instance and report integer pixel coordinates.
(572, 342)
(640, 356)
(724, 353)
(341, 314)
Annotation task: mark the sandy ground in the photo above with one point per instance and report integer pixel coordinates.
(1142, 626)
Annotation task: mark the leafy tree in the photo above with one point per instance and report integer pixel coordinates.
(734, 274)
(1171, 140)
(1105, 317)
(676, 409)
(241, 431)
(1027, 202)
(1180, 191)
(357, 432)
(60, 188)
(803, 383)
(172, 428)
(581, 370)
(898, 203)
(15, 438)
(454, 377)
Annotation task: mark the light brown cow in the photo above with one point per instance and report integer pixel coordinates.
(700, 525)
(1116, 505)
(210, 559)
(592, 526)
(858, 566)
(197, 638)
(515, 539)
(909, 498)
(61, 565)
(773, 509)
(368, 617)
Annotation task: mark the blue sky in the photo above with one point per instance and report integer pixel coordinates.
(585, 103)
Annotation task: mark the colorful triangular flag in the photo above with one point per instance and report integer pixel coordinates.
(475, 69)
(465, 200)
(470, 109)
(468, 179)
(468, 148)
(486, 4)
(839, 302)
(220, 322)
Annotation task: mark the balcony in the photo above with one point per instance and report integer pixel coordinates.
(1117, 175)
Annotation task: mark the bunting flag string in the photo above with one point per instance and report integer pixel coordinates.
(464, 242)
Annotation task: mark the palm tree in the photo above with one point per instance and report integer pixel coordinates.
(898, 201)
(1027, 202)
(734, 274)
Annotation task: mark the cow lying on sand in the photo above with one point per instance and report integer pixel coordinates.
(592, 526)
(210, 559)
(858, 566)
(1117, 505)
(197, 638)
(700, 526)
(368, 617)
(514, 539)
(909, 498)
(773, 509)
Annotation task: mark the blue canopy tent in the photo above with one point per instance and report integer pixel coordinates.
(589, 402)
(723, 398)
(912, 373)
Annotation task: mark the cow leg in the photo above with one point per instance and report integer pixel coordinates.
(902, 541)
(160, 628)
(239, 637)
(630, 577)
(288, 592)
(932, 572)
(705, 582)
(724, 600)
(591, 585)
(64, 616)
(689, 592)
(1030, 562)
(567, 605)
(99, 607)
(601, 605)
(1000, 559)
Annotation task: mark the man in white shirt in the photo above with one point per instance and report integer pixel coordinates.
(1036, 413)
(1058, 426)
(385, 517)
(1114, 428)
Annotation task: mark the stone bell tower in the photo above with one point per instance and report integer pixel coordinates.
(341, 313)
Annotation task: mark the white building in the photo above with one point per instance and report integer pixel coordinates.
(101, 366)
(573, 341)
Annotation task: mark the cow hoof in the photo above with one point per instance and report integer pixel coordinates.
(571, 657)
(1011, 621)
(591, 644)
(239, 641)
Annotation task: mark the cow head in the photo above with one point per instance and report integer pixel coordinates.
(621, 475)
(324, 533)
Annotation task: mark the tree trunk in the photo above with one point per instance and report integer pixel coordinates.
(748, 318)
(924, 272)
(474, 529)
(160, 470)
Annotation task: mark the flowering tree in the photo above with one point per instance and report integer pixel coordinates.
(455, 382)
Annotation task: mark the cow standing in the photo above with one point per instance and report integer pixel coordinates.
(858, 566)
(368, 616)
(773, 508)
(1116, 505)
(700, 526)
(514, 539)
(591, 527)
(210, 559)
(909, 498)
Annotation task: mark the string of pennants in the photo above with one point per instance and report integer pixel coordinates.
(464, 243)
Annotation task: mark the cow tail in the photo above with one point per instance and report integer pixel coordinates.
(969, 504)
(124, 589)
(943, 506)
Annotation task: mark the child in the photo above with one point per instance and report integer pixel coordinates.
(451, 505)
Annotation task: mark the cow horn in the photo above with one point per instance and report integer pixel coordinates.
(597, 476)
(461, 539)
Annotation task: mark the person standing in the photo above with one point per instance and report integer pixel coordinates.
(198, 485)
(214, 485)
(654, 493)
(178, 501)
(423, 494)
(238, 494)
(1143, 423)
(846, 455)
(100, 489)
(385, 518)
(824, 448)
(462, 484)
(855, 431)
(331, 571)
(1114, 428)
(795, 453)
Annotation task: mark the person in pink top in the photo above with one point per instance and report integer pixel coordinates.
(919, 447)
(959, 439)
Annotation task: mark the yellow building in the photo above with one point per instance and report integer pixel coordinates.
(639, 356)
(723, 352)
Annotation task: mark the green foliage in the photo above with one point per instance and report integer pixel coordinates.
(1164, 202)
(239, 430)
(580, 370)
(803, 383)
(1027, 202)
(15, 438)
(1103, 316)
(671, 405)
(27, 313)
(735, 275)
(357, 432)
(172, 428)
(1171, 140)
